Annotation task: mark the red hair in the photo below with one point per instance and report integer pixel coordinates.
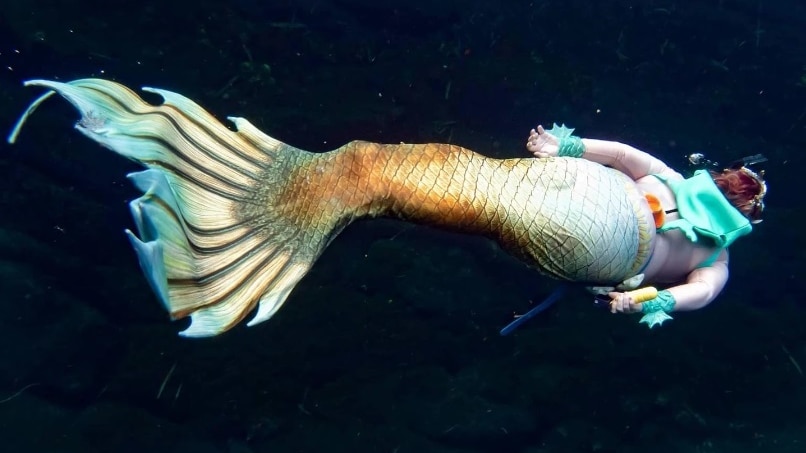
(742, 191)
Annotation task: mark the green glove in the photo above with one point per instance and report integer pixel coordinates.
(570, 145)
(656, 310)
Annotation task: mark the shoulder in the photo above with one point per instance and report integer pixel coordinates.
(669, 174)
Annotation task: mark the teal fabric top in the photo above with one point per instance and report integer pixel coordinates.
(706, 216)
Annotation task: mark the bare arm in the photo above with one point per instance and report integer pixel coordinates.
(624, 158)
(634, 163)
(702, 285)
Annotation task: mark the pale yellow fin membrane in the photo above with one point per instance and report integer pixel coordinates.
(200, 257)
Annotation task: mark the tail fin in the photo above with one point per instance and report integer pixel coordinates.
(212, 242)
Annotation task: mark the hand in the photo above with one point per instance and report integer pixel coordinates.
(623, 303)
(542, 144)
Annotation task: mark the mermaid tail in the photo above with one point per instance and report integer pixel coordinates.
(232, 220)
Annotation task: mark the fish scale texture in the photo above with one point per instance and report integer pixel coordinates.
(230, 221)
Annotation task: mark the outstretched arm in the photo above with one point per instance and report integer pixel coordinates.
(702, 285)
(624, 158)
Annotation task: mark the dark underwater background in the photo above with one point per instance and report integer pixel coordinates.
(391, 343)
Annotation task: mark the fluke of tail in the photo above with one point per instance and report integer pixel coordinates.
(211, 242)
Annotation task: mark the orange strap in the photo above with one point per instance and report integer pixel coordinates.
(657, 210)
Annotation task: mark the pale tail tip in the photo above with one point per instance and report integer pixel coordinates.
(15, 132)
(203, 324)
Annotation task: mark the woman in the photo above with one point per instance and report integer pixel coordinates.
(231, 220)
(695, 225)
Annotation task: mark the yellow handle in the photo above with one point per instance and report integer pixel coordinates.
(641, 295)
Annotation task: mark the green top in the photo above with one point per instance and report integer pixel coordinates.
(706, 216)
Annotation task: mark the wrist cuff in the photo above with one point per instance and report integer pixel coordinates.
(571, 146)
(655, 310)
(664, 301)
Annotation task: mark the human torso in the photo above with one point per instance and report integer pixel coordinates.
(673, 256)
